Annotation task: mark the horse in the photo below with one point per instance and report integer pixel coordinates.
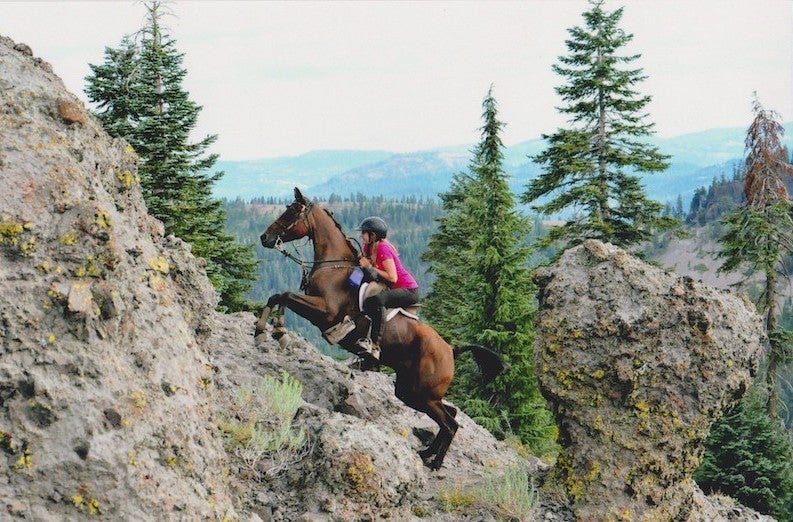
(421, 359)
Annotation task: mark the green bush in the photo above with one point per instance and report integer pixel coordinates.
(259, 430)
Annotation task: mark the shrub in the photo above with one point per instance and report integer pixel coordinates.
(259, 430)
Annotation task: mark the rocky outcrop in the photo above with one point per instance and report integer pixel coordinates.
(117, 375)
(104, 403)
(121, 387)
(637, 364)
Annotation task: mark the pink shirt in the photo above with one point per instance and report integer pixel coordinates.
(387, 251)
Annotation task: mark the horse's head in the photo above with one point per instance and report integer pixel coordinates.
(292, 224)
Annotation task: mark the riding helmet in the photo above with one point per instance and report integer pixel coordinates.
(375, 225)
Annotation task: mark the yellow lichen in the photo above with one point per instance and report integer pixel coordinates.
(102, 219)
(10, 228)
(138, 399)
(359, 470)
(126, 177)
(159, 264)
(24, 462)
(89, 269)
(11, 231)
(91, 505)
(68, 239)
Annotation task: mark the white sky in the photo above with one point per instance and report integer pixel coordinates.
(284, 78)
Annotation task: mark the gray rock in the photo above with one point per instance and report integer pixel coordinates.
(637, 364)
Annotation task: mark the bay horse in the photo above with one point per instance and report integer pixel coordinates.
(422, 360)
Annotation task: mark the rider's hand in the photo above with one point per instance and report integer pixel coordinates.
(364, 262)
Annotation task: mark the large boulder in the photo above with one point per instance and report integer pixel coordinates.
(637, 364)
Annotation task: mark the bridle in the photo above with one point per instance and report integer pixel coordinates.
(306, 267)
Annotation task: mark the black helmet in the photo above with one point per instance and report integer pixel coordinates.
(375, 225)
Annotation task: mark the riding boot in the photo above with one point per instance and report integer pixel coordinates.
(378, 326)
(369, 356)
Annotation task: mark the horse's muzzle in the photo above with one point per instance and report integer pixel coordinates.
(268, 241)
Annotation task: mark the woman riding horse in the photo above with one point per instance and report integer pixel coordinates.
(382, 259)
(422, 361)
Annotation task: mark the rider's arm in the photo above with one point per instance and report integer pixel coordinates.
(389, 272)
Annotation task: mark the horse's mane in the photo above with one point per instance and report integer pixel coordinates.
(344, 235)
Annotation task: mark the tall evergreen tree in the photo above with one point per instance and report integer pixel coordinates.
(110, 87)
(759, 233)
(588, 168)
(483, 292)
(750, 458)
(139, 94)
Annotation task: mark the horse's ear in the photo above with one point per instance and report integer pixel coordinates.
(299, 196)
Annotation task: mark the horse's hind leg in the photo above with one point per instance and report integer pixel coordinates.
(447, 427)
(432, 449)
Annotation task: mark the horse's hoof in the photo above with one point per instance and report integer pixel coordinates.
(279, 332)
(435, 465)
(364, 362)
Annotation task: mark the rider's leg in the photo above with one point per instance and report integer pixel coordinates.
(374, 307)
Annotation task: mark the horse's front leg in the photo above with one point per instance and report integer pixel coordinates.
(264, 317)
(313, 308)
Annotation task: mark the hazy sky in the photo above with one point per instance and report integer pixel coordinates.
(279, 78)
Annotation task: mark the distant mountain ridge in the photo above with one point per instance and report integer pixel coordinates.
(696, 159)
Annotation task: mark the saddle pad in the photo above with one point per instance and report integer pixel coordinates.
(392, 312)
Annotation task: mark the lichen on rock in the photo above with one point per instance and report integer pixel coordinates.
(637, 364)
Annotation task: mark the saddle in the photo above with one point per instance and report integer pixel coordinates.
(339, 331)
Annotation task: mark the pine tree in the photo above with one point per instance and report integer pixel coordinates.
(588, 168)
(750, 458)
(110, 87)
(139, 94)
(449, 258)
(483, 292)
(759, 233)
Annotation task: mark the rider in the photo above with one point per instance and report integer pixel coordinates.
(381, 260)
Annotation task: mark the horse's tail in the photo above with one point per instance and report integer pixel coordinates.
(489, 362)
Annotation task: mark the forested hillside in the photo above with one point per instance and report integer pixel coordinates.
(412, 220)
